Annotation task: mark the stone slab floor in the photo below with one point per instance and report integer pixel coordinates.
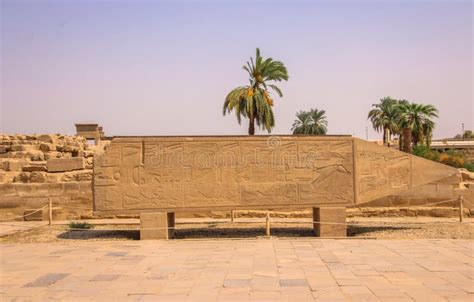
(239, 270)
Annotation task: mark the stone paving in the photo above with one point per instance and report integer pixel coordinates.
(239, 270)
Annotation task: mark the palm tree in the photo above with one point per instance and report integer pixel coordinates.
(253, 101)
(400, 130)
(418, 118)
(311, 122)
(384, 117)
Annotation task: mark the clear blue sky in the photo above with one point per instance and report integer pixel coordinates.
(165, 67)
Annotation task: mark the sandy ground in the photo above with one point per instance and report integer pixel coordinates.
(373, 228)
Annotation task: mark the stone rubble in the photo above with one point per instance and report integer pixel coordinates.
(34, 168)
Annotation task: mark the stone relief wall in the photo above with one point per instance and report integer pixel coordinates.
(232, 172)
(34, 168)
(195, 173)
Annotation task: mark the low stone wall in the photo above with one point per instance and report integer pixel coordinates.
(34, 168)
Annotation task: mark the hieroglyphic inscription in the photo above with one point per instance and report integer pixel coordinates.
(167, 173)
(206, 173)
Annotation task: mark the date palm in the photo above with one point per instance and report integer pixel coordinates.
(311, 122)
(253, 101)
(384, 117)
(418, 118)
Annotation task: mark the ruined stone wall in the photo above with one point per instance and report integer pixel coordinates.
(34, 168)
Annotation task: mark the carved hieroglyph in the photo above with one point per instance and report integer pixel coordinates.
(201, 173)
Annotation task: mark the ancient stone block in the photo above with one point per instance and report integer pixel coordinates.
(33, 215)
(35, 166)
(48, 138)
(68, 176)
(201, 173)
(37, 176)
(17, 147)
(329, 222)
(52, 154)
(3, 149)
(36, 155)
(85, 175)
(32, 189)
(71, 188)
(23, 177)
(88, 153)
(15, 164)
(47, 147)
(7, 189)
(159, 225)
(65, 164)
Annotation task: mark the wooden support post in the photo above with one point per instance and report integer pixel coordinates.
(267, 222)
(460, 208)
(50, 211)
(232, 216)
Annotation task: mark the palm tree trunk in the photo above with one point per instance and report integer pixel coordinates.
(388, 137)
(400, 141)
(384, 139)
(407, 137)
(252, 125)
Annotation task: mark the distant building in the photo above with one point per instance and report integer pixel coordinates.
(90, 132)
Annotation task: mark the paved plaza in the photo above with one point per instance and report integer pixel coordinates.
(239, 270)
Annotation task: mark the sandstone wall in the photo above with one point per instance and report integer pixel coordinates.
(461, 184)
(34, 168)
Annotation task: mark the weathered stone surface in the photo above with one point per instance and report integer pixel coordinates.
(202, 173)
(36, 155)
(158, 225)
(65, 164)
(3, 149)
(47, 147)
(22, 177)
(467, 175)
(15, 164)
(23, 147)
(53, 154)
(34, 166)
(85, 175)
(37, 176)
(329, 222)
(48, 138)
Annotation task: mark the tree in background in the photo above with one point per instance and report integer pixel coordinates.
(418, 118)
(253, 101)
(384, 117)
(467, 134)
(313, 122)
(412, 122)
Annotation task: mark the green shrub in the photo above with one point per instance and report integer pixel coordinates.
(426, 152)
(453, 158)
(469, 166)
(80, 225)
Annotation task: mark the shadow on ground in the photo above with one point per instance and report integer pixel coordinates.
(357, 231)
(225, 232)
(100, 234)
